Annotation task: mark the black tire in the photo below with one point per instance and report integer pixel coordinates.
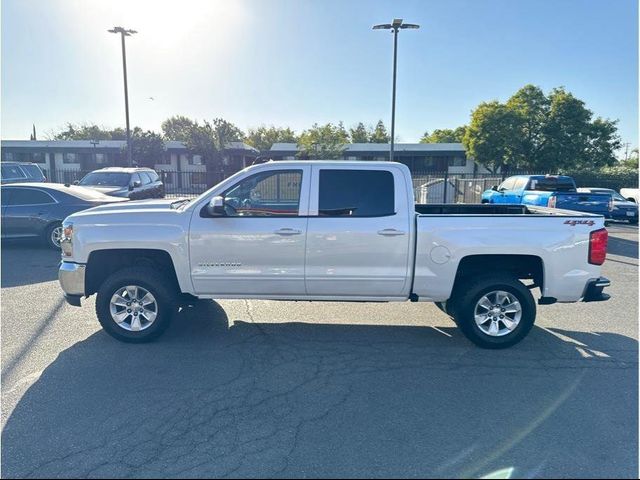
(446, 308)
(48, 236)
(473, 290)
(151, 280)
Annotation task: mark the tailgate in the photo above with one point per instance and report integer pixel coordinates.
(584, 202)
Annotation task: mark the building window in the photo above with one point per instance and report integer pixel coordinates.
(37, 157)
(101, 158)
(458, 162)
(7, 156)
(70, 158)
(423, 163)
(84, 158)
(195, 159)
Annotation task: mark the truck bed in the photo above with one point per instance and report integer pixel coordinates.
(492, 209)
(470, 209)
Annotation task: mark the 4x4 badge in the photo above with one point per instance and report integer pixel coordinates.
(573, 223)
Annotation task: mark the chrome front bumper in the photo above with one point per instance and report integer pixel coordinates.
(71, 278)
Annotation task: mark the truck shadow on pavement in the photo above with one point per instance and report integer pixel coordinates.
(623, 247)
(23, 263)
(227, 397)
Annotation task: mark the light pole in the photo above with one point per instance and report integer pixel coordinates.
(125, 33)
(395, 27)
(95, 143)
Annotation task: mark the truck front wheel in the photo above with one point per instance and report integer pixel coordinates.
(135, 304)
(495, 311)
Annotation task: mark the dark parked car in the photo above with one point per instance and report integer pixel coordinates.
(13, 172)
(623, 209)
(38, 209)
(133, 183)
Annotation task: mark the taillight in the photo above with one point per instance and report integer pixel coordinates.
(598, 246)
(551, 203)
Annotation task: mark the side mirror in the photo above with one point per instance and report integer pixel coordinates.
(215, 207)
(135, 184)
(494, 188)
(77, 182)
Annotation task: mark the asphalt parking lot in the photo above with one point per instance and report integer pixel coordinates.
(285, 389)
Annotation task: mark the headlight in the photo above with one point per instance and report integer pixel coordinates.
(66, 243)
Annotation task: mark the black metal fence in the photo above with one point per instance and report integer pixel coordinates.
(429, 187)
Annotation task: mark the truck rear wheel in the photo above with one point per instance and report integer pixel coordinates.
(495, 311)
(135, 304)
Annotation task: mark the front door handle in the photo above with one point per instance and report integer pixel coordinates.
(390, 232)
(288, 231)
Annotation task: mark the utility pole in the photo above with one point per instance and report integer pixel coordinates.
(125, 33)
(394, 27)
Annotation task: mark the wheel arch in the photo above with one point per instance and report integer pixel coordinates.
(527, 267)
(103, 263)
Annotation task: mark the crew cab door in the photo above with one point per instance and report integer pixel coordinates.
(514, 194)
(258, 247)
(358, 235)
(505, 192)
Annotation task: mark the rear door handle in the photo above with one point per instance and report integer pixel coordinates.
(288, 231)
(390, 232)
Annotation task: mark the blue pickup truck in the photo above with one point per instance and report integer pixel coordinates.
(557, 191)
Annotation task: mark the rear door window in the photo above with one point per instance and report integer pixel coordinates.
(146, 179)
(356, 193)
(29, 196)
(33, 172)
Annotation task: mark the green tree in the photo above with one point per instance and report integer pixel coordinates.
(263, 137)
(554, 132)
(531, 109)
(490, 136)
(573, 140)
(631, 162)
(444, 135)
(323, 142)
(380, 134)
(360, 133)
(178, 128)
(147, 147)
(88, 132)
(226, 132)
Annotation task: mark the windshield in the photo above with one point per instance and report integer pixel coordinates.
(617, 196)
(111, 179)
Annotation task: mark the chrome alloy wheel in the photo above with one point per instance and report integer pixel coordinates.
(498, 313)
(133, 308)
(56, 235)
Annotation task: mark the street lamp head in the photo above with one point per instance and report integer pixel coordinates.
(123, 31)
(395, 25)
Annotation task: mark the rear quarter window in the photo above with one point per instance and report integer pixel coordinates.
(551, 184)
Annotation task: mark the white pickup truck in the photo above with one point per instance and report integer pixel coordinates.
(330, 231)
